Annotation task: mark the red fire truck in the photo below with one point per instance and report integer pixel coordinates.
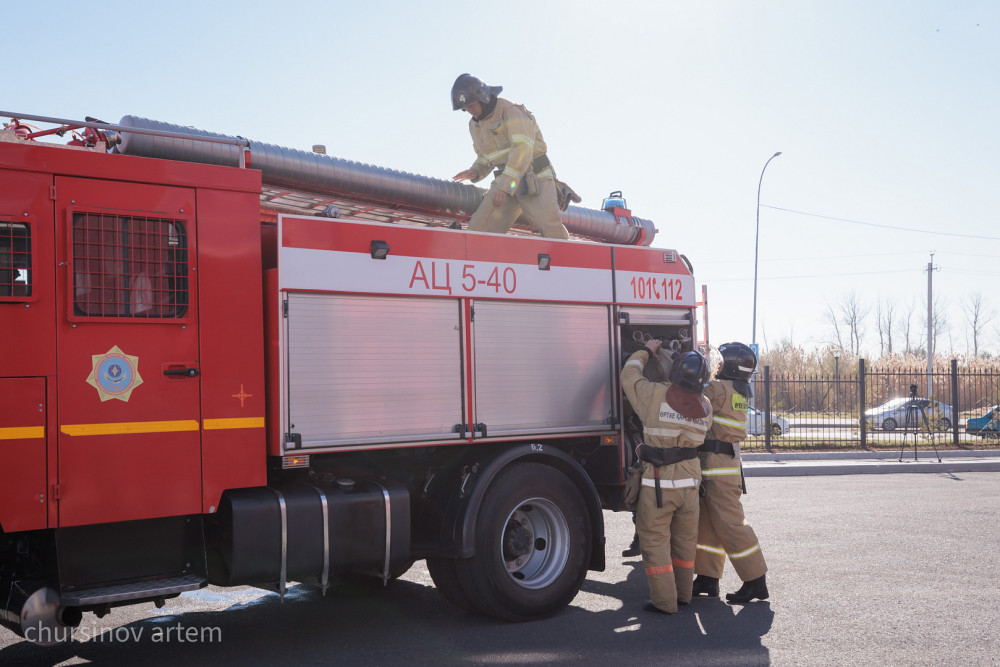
(231, 363)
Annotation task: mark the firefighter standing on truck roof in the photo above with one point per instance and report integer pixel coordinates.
(675, 417)
(722, 526)
(507, 139)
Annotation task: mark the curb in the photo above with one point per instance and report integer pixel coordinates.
(855, 463)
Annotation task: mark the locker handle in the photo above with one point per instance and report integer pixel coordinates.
(186, 372)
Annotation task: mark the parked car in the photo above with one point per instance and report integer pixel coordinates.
(893, 414)
(755, 423)
(986, 426)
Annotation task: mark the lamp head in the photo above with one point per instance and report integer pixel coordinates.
(380, 249)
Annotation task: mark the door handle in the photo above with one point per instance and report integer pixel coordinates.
(186, 372)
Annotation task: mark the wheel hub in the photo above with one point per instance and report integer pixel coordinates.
(517, 540)
(535, 543)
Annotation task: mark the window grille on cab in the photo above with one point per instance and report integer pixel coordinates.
(15, 260)
(129, 266)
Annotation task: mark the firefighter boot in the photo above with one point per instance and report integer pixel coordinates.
(633, 549)
(649, 606)
(750, 590)
(708, 586)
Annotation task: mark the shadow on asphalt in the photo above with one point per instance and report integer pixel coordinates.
(707, 631)
(411, 623)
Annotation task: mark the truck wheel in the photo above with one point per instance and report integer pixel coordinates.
(445, 578)
(889, 424)
(533, 542)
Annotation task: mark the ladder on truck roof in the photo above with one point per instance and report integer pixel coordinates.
(306, 183)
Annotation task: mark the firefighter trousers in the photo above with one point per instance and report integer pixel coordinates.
(541, 211)
(667, 539)
(722, 526)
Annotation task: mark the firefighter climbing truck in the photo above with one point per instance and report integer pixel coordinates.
(231, 363)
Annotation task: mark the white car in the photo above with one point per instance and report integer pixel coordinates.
(755, 423)
(893, 414)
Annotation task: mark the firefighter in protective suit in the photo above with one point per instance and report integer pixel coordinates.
(722, 526)
(675, 418)
(508, 142)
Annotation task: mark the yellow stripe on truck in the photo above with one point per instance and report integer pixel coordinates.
(236, 422)
(22, 432)
(122, 428)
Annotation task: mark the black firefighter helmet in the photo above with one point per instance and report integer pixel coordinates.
(689, 375)
(468, 89)
(738, 362)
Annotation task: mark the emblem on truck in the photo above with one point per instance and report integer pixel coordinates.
(114, 374)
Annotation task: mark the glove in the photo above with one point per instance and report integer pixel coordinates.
(565, 195)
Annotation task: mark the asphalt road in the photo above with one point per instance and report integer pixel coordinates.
(893, 569)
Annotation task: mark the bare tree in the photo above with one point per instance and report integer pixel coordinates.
(885, 316)
(834, 323)
(941, 325)
(906, 328)
(853, 312)
(978, 316)
(878, 327)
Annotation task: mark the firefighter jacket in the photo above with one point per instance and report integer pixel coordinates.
(729, 412)
(508, 139)
(662, 425)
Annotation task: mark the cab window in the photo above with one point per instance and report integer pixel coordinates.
(129, 266)
(15, 261)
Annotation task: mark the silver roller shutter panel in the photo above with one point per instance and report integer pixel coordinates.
(663, 316)
(368, 370)
(542, 367)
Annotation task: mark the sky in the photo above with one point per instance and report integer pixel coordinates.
(885, 113)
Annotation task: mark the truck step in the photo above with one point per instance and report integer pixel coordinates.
(156, 588)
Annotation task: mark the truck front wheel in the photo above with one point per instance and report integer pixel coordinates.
(445, 577)
(533, 541)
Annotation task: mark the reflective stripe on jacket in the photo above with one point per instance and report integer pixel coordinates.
(729, 412)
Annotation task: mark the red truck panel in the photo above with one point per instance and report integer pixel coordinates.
(29, 333)
(129, 433)
(232, 344)
(272, 351)
(318, 254)
(23, 495)
(650, 276)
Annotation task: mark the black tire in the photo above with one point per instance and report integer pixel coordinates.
(533, 541)
(775, 429)
(445, 577)
(944, 423)
(889, 424)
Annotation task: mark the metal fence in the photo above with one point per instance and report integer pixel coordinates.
(825, 412)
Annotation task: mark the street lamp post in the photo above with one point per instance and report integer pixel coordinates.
(756, 241)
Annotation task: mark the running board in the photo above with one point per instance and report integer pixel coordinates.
(142, 590)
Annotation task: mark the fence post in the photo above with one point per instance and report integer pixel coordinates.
(954, 401)
(767, 409)
(861, 403)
